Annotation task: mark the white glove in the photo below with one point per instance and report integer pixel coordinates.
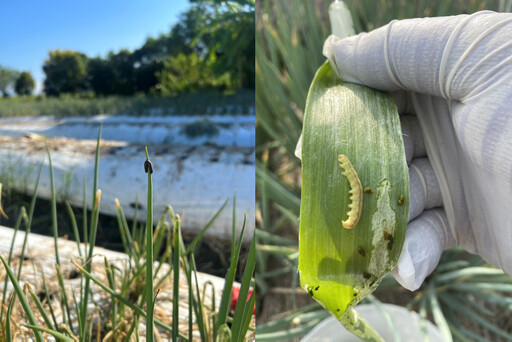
(455, 75)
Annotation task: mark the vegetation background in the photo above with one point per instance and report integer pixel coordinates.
(289, 40)
(208, 52)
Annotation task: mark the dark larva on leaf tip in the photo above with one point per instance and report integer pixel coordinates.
(148, 166)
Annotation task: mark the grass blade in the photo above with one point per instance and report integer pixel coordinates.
(64, 297)
(53, 209)
(198, 304)
(82, 324)
(276, 190)
(84, 216)
(190, 303)
(25, 241)
(74, 226)
(47, 295)
(462, 309)
(467, 272)
(244, 311)
(56, 334)
(125, 232)
(228, 282)
(23, 300)
(233, 227)
(8, 336)
(148, 291)
(40, 307)
(9, 259)
(291, 326)
(110, 272)
(439, 318)
(176, 278)
(28, 221)
(199, 236)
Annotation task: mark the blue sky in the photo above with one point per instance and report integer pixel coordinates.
(29, 29)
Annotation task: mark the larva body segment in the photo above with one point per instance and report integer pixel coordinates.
(356, 192)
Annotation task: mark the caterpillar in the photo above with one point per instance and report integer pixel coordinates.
(356, 206)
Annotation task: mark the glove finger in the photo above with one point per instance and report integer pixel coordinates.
(425, 239)
(413, 137)
(402, 101)
(424, 188)
(452, 57)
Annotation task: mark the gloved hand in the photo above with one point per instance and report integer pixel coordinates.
(452, 80)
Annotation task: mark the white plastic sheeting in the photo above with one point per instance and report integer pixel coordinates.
(194, 175)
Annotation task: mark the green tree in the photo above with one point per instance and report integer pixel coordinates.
(24, 84)
(230, 30)
(181, 38)
(148, 60)
(211, 47)
(189, 34)
(187, 73)
(7, 79)
(65, 72)
(122, 66)
(100, 76)
(146, 76)
(115, 75)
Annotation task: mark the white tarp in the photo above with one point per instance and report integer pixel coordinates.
(194, 175)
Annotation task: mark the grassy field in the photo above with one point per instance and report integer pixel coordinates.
(242, 102)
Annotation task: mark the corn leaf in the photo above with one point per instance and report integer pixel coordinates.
(338, 266)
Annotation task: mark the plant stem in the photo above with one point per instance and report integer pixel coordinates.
(149, 254)
(358, 326)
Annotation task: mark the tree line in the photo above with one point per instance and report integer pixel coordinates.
(210, 48)
(22, 82)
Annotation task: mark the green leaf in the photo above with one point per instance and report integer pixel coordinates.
(54, 208)
(439, 317)
(56, 334)
(8, 336)
(192, 246)
(245, 305)
(339, 266)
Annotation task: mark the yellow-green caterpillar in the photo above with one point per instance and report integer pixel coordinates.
(356, 206)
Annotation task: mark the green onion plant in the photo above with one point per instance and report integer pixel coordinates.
(129, 292)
